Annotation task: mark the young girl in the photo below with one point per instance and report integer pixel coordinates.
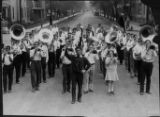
(111, 74)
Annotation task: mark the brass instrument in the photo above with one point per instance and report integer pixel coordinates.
(111, 37)
(45, 35)
(147, 33)
(17, 32)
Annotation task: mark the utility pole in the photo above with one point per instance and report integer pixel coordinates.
(20, 11)
(1, 46)
(50, 12)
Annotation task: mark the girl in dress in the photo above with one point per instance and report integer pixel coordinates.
(111, 74)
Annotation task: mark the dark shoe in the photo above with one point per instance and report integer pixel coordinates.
(141, 93)
(138, 83)
(44, 81)
(85, 92)
(68, 90)
(9, 91)
(33, 90)
(149, 93)
(5, 92)
(112, 92)
(73, 102)
(17, 82)
(80, 100)
(90, 90)
(63, 92)
(37, 88)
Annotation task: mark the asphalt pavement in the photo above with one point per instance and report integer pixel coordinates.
(49, 100)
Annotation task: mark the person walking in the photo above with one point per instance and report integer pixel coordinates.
(111, 74)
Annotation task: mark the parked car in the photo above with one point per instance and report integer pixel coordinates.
(5, 29)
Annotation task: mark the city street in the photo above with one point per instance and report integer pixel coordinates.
(50, 101)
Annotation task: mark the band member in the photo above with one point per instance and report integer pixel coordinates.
(98, 28)
(25, 55)
(35, 55)
(79, 65)
(111, 74)
(137, 59)
(17, 58)
(92, 57)
(66, 68)
(52, 60)
(57, 50)
(44, 60)
(148, 57)
(7, 59)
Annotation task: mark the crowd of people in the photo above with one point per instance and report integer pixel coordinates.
(76, 51)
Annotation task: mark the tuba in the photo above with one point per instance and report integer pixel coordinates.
(45, 35)
(111, 37)
(147, 33)
(17, 32)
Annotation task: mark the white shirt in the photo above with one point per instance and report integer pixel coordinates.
(91, 57)
(65, 60)
(56, 45)
(137, 49)
(6, 59)
(44, 52)
(36, 56)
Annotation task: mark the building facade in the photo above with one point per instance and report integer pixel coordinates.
(24, 11)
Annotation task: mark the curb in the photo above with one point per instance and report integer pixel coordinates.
(54, 22)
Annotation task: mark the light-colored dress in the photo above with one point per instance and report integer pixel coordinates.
(111, 67)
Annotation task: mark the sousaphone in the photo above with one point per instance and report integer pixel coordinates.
(45, 35)
(147, 33)
(17, 32)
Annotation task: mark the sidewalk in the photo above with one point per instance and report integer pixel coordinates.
(6, 37)
(54, 22)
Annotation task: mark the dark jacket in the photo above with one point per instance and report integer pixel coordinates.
(79, 63)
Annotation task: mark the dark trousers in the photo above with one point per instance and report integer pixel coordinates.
(58, 54)
(51, 64)
(77, 79)
(138, 68)
(17, 64)
(35, 73)
(120, 54)
(24, 62)
(43, 65)
(104, 68)
(67, 76)
(128, 61)
(146, 74)
(7, 74)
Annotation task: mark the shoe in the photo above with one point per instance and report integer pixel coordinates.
(80, 100)
(141, 93)
(44, 82)
(112, 92)
(68, 91)
(90, 90)
(17, 82)
(63, 92)
(138, 83)
(37, 88)
(33, 90)
(85, 92)
(9, 91)
(149, 93)
(73, 102)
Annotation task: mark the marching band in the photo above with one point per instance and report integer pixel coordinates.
(78, 49)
